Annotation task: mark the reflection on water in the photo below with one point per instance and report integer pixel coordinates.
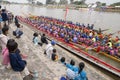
(104, 20)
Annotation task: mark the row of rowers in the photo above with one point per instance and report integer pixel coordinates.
(77, 33)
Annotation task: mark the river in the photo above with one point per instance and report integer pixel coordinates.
(103, 20)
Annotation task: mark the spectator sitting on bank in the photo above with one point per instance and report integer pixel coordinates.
(62, 60)
(16, 20)
(72, 66)
(4, 16)
(49, 48)
(16, 61)
(5, 54)
(0, 20)
(3, 37)
(36, 39)
(18, 32)
(54, 55)
(81, 73)
(43, 39)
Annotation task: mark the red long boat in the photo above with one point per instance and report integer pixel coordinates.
(74, 47)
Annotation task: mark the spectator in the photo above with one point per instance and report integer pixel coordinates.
(4, 16)
(0, 20)
(43, 39)
(72, 66)
(49, 48)
(3, 37)
(18, 32)
(5, 54)
(36, 40)
(16, 61)
(81, 73)
(54, 55)
(63, 60)
(16, 20)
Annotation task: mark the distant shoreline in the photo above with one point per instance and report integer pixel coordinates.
(71, 7)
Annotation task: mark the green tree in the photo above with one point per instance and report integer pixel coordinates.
(39, 3)
(103, 4)
(63, 2)
(71, 1)
(99, 4)
(115, 4)
(50, 2)
(83, 2)
(78, 3)
(31, 1)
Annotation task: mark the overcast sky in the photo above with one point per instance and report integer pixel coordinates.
(88, 1)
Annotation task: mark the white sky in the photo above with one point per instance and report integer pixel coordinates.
(88, 1)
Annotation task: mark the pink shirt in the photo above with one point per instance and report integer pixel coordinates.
(5, 55)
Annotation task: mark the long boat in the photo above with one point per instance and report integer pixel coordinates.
(84, 46)
(72, 45)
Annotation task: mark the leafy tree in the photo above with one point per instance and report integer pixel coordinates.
(39, 3)
(78, 2)
(99, 4)
(115, 4)
(82, 2)
(63, 2)
(103, 4)
(50, 2)
(71, 1)
(31, 1)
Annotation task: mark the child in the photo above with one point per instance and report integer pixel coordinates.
(16, 20)
(3, 37)
(16, 61)
(5, 54)
(18, 32)
(54, 57)
(72, 66)
(4, 16)
(63, 60)
(49, 48)
(43, 39)
(81, 73)
(36, 40)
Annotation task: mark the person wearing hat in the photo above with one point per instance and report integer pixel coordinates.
(49, 48)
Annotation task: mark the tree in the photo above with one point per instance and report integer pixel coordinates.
(78, 2)
(83, 2)
(31, 1)
(71, 1)
(115, 4)
(99, 4)
(103, 4)
(39, 3)
(49, 1)
(63, 2)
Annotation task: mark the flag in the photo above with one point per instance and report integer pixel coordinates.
(66, 11)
